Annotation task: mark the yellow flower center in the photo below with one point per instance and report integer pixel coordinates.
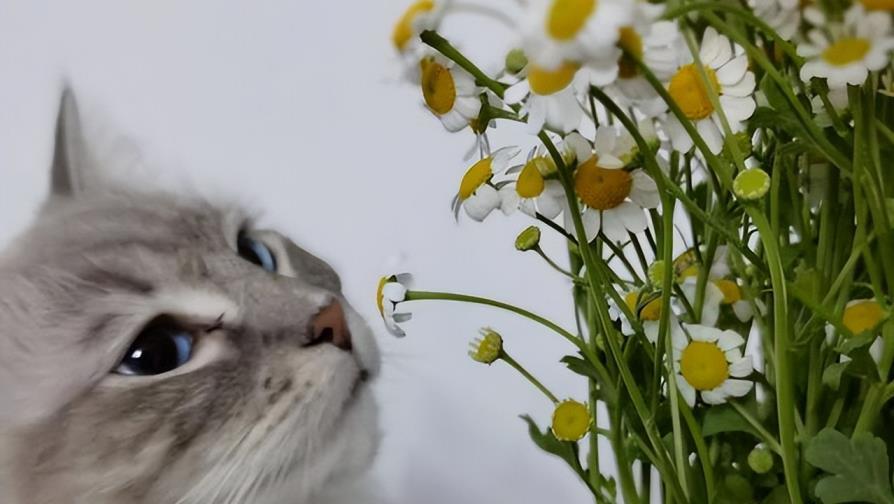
(475, 177)
(862, 316)
(601, 188)
(571, 421)
(689, 93)
(632, 44)
(704, 365)
(885, 5)
(730, 290)
(530, 182)
(846, 51)
(567, 17)
(546, 82)
(651, 311)
(438, 87)
(380, 296)
(487, 349)
(403, 30)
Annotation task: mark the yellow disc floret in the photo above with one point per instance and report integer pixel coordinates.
(690, 94)
(863, 315)
(403, 30)
(730, 290)
(632, 44)
(601, 188)
(846, 51)
(883, 5)
(438, 86)
(704, 365)
(571, 421)
(475, 177)
(648, 311)
(566, 18)
(547, 82)
(530, 183)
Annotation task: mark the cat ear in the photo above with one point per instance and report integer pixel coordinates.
(71, 158)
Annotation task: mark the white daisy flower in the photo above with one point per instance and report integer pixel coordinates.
(391, 291)
(784, 16)
(419, 16)
(558, 31)
(646, 307)
(614, 199)
(850, 51)
(535, 189)
(710, 362)
(477, 195)
(449, 92)
(550, 97)
(726, 67)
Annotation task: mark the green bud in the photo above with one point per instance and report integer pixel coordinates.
(656, 272)
(751, 184)
(488, 348)
(529, 239)
(516, 61)
(760, 460)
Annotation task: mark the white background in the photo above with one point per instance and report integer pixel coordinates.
(296, 108)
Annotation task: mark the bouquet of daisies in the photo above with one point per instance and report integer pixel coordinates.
(720, 172)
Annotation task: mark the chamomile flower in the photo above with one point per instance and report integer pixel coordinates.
(849, 51)
(709, 362)
(421, 15)
(571, 421)
(726, 68)
(862, 316)
(535, 190)
(449, 92)
(557, 31)
(550, 97)
(476, 193)
(488, 348)
(784, 16)
(646, 307)
(614, 198)
(391, 291)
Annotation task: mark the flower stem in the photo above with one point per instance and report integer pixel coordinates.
(528, 376)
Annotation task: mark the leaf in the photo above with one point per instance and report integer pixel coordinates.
(853, 343)
(548, 443)
(724, 419)
(858, 468)
(580, 366)
(832, 374)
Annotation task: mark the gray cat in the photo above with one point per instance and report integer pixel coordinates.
(160, 350)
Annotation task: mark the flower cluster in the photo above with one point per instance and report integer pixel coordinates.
(717, 171)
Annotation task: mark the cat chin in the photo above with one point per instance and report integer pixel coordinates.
(338, 473)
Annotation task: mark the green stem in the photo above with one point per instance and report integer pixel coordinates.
(528, 376)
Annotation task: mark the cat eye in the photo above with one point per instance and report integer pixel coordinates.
(161, 346)
(254, 251)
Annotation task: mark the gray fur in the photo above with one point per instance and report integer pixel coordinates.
(255, 417)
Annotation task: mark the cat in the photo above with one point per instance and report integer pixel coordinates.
(158, 349)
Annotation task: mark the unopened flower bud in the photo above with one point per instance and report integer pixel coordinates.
(751, 184)
(488, 348)
(656, 272)
(760, 460)
(529, 239)
(516, 61)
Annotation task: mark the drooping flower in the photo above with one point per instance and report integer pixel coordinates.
(614, 198)
(571, 421)
(535, 188)
(391, 291)
(726, 68)
(846, 53)
(862, 316)
(449, 92)
(488, 348)
(646, 307)
(708, 362)
(549, 97)
(555, 32)
(476, 193)
(421, 15)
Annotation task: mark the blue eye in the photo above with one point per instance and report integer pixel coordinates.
(162, 346)
(254, 251)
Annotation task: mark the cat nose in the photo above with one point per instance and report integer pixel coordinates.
(330, 326)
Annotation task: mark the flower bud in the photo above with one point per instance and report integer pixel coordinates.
(656, 272)
(751, 184)
(529, 239)
(516, 61)
(760, 460)
(488, 348)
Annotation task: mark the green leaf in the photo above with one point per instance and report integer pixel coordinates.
(724, 419)
(853, 343)
(832, 374)
(858, 468)
(580, 366)
(548, 443)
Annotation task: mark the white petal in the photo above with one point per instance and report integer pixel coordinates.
(651, 330)
(743, 310)
(711, 135)
(613, 225)
(453, 121)
(468, 106)
(737, 108)
(716, 396)
(509, 199)
(877, 349)
(394, 292)
(686, 390)
(680, 139)
(733, 71)
(736, 388)
(592, 222)
(549, 206)
(517, 93)
(536, 114)
(730, 339)
(502, 157)
(744, 87)
(702, 333)
(633, 217)
(742, 367)
(482, 203)
(580, 146)
(605, 140)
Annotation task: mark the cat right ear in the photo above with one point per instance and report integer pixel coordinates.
(71, 157)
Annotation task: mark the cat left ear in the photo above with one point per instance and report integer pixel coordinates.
(71, 158)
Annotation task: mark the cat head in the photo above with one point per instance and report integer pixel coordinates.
(160, 349)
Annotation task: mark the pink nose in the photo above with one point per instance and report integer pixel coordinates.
(330, 326)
